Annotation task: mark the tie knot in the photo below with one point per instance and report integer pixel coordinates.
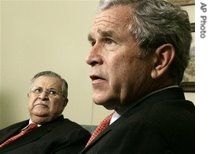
(100, 128)
(30, 127)
(106, 121)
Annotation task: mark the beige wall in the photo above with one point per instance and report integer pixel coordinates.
(0, 69)
(39, 35)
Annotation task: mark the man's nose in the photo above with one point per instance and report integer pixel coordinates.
(94, 57)
(44, 95)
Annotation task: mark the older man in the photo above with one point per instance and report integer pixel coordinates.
(51, 132)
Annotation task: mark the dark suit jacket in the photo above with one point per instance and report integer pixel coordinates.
(162, 123)
(60, 136)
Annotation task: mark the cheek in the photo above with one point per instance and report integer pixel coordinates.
(56, 105)
(124, 66)
(119, 73)
(131, 69)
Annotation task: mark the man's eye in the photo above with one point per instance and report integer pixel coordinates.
(110, 44)
(52, 92)
(38, 90)
(108, 40)
(92, 43)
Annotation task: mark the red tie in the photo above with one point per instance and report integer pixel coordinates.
(100, 128)
(23, 132)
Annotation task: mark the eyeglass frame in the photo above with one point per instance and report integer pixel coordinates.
(39, 90)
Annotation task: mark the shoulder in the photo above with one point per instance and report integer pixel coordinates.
(165, 110)
(67, 127)
(168, 102)
(159, 113)
(16, 125)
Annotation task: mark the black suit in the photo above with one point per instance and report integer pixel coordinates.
(59, 136)
(162, 123)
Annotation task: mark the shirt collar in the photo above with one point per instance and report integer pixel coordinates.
(115, 116)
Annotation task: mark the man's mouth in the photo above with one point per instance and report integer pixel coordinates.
(41, 104)
(96, 79)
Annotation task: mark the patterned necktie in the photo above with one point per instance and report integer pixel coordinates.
(100, 128)
(23, 132)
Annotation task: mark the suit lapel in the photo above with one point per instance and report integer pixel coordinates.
(100, 136)
(28, 138)
(12, 130)
(31, 136)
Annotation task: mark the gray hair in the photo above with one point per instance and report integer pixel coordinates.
(53, 74)
(156, 22)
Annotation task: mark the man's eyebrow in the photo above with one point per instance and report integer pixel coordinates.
(90, 37)
(102, 34)
(106, 33)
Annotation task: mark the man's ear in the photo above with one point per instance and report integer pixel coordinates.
(163, 57)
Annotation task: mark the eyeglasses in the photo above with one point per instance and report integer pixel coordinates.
(49, 92)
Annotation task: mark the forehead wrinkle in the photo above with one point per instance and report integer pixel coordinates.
(109, 23)
(103, 20)
(44, 83)
(112, 21)
(107, 31)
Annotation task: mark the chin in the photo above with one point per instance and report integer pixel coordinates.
(38, 114)
(107, 104)
(39, 120)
